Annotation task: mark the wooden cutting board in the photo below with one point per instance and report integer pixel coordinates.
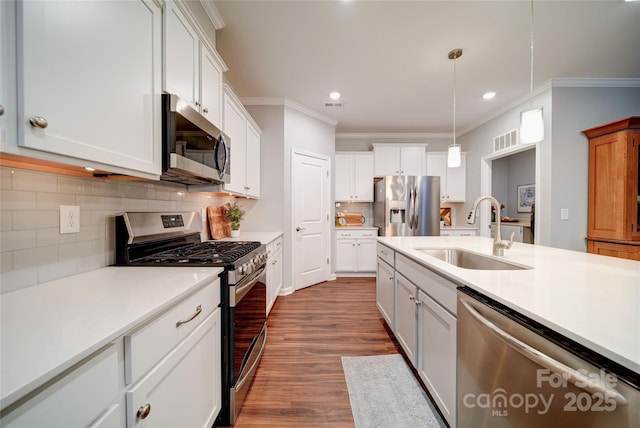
(219, 226)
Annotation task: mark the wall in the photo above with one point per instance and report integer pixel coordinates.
(510, 172)
(284, 127)
(32, 249)
(562, 157)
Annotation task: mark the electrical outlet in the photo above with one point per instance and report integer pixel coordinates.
(564, 214)
(69, 219)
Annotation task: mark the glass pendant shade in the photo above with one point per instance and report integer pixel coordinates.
(453, 156)
(531, 126)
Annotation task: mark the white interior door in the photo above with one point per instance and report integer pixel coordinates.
(311, 201)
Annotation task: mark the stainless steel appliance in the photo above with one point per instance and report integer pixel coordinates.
(194, 150)
(173, 239)
(407, 205)
(515, 372)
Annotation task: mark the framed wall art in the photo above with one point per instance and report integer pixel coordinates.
(526, 197)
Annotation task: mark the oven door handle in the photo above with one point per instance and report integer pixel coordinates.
(575, 377)
(243, 289)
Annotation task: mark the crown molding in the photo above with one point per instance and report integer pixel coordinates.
(213, 14)
(407, 136)
(595, 83)
(286, 102)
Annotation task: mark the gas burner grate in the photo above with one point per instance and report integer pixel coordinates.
(206, 252)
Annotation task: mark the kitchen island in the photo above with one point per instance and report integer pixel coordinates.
(591, 299)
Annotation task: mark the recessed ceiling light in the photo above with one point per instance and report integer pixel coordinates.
(334, 95)
(489, 95)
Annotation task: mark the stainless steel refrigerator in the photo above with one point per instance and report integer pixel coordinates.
(407, 205)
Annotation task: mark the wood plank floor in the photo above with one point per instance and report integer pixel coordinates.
(300, 381)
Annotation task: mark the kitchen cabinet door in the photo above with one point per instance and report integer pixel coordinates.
(184, 389)
(366, 256)
(413, 160)
(88, 92)
(346, 255)
(452, 180)
(234, 126)
(386, 161)
(385, 292)
(8, 103)
(354, 177)
(406, 328)
(344, 178)
(182, 55)
(252, 151)
(437, 355)
(211, 85)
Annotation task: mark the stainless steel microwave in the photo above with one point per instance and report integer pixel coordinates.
(194, 150)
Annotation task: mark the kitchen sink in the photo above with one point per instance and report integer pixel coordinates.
(468, 260)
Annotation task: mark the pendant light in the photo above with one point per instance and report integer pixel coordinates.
(453, 153)
(531, 121)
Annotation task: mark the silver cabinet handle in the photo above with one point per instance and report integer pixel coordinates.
(1, 110)
(38, 122)
(298, 229)
(578, 379)
(144, 411)
(198, 310)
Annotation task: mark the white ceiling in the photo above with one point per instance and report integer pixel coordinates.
(389, 58)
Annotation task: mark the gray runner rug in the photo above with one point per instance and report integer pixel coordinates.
(384, 393)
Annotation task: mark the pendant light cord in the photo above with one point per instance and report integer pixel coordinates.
(454, 101)
(531, 54)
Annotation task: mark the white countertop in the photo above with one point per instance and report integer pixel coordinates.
(592, 299)
(262, 237)
(50, 327)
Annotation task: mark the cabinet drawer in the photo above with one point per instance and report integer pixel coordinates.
(274, 246)
(184, 389)
(147, 345)
(437, 287)
(77, 399)
(386, 254)
(356, 234)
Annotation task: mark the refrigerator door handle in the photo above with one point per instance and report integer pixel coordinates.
(411, 206)
(416, 209)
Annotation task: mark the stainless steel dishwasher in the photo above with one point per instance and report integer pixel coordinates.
(514, 372)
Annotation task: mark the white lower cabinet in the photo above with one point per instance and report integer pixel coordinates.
(406, 318)
(184, 388)
(437, 355)
(88, 395)
(356, 250)
(274, 271)
(385, 292)
(424, 320)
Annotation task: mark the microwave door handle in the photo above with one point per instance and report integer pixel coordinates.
(578, 379)
(223, 169)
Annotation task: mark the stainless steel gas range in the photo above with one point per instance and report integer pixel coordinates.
(173, 239)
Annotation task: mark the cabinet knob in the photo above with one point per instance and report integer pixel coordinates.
(205, 110)
(198, 103)
(1, 110)
(144, 411)
(412, 297)
(38, 122)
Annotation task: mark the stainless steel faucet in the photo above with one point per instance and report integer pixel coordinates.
(498, 244)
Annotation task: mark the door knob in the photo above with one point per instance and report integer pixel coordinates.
(298, 229)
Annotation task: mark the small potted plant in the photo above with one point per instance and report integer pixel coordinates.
(234, 214)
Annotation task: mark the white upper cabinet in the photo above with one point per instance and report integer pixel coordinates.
(90, 94)
(452, 180)
(397, 159)
(354, 177)
(245, 147)
(193, 69)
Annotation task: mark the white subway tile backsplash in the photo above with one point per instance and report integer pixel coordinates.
(34, 181)
(13, 240)
(33, 250)
(58, 270)
(35, 219)
(17, 279)
(35, 257)
(17, 200)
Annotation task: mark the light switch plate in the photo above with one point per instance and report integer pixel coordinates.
(564, 214)
(69, 219)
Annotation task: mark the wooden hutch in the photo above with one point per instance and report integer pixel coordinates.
(614, 189)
